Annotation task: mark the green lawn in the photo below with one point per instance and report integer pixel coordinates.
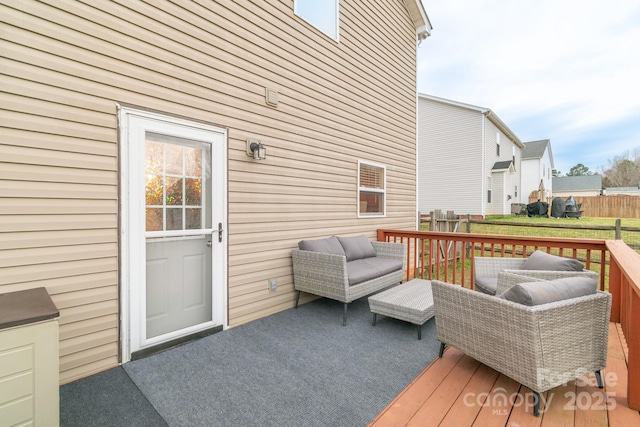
(571, 227)
(580, 228)
(628, 222)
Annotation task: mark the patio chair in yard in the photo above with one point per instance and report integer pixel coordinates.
(539, 333)
(539, 264)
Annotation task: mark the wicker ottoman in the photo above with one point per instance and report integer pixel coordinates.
(411, 302)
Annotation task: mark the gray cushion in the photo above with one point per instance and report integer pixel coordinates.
(539, 260)
(487, 285)
(330, 245)
(536, 293)
(357, 247)
(365, 269)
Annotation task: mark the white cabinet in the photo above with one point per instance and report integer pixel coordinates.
(29, 372)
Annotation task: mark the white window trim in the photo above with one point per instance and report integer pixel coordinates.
(372, 190)
(335, 37)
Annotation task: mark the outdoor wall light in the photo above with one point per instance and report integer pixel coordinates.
(256, 150)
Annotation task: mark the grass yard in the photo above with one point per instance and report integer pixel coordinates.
(590, 228)
(562, 227)
(627, 222)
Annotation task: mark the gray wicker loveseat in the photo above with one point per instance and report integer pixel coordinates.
(539, 333)
(346, 268)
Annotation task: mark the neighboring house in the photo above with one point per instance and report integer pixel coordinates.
(586, 185)
(128, 183)
(469, 161)
(622, 191)
(537, 166)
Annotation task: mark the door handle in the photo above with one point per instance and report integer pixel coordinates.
(209, 244)
(219, 232)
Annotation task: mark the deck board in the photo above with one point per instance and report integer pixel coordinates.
(436, 407)
(460, 412)
(456, 390)
(496, 408)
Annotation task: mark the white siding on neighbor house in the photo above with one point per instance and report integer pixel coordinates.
(500, 204)
(498, 193)
(546, 171)
(534, 170)
(576, 193)
(509, 187)
(450, 158)
(65, 67)
(531, 176)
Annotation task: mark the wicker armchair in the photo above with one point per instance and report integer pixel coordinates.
(540, 346)
(487, 269)
(326, 275)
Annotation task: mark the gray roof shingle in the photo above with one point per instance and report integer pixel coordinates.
(577, 183)
(534, 149)
(506, 164)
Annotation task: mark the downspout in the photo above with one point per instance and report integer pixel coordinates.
(484, 165)
(417, 152)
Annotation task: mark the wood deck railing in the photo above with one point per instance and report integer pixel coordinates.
(450, 257)
(624, 285)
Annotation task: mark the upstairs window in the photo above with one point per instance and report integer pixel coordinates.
(371, 189)
(322, 14)
(498, 144)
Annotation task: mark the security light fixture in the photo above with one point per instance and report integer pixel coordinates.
(256, 150)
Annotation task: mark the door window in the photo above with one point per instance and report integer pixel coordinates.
(175, 181)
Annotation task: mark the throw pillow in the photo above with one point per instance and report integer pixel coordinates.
(487, 285)
(536, 293)
(539, 260)
(357, 247)
(330, 245)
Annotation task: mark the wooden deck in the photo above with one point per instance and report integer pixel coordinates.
(456, 390)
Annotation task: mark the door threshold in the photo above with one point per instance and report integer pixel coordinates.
(174, 343)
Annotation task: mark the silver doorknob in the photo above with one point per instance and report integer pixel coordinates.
(209, 243)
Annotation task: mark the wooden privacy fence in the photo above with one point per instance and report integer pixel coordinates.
(604, 206)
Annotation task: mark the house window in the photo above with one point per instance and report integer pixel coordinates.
(498, 144)
(489, 189)
(371, 189)
(322, 14)
(513, 155)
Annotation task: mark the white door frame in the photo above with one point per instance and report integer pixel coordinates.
(132, 221)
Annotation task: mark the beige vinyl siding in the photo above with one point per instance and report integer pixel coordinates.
(450, 158)
(66, 66)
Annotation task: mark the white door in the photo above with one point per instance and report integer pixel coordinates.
(174, 228)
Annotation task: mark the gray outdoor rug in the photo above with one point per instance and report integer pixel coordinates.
(108, 399)
(300, 367)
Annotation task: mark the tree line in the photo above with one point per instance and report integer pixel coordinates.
(622, 171)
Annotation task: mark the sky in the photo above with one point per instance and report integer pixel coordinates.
(563, 70)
